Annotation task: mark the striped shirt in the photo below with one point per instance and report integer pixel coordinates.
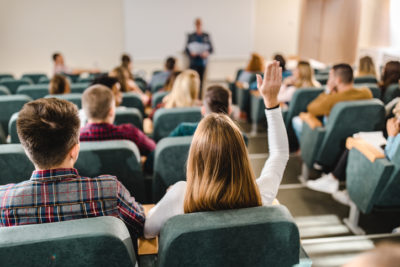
(61, 194)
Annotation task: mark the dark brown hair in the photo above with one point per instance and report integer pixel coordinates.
(391, 74)
(48, 128)
(97, 101)
(345, 72)
(59, 85)
(217, 99)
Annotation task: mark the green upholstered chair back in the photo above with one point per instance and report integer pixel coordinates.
(15, 166)
(391, 92)
(156, 88)
(34, 77)
(12, 85)
(157, 98)
(12, 129)
(365, 79)
(260, 236)
(79, 88)
(101, 241)
(44, 80)
(34, 91)
(86, 79)
(141, 83)
(132, 100)
(129, 115)
(4, 90)
(6, 75)
(72, 77)
(169, 163)
(9, 104)
(373, 87)
(345, 119)
(120, 158)
(322, 78)
(166, 119)
(75, 98)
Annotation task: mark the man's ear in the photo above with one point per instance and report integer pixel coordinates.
(74, 152)
(203, 110)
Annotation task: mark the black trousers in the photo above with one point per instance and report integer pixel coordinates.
(340, 170)
(200, 70)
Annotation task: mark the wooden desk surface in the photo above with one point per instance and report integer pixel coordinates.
(368, 150)
(147, 246)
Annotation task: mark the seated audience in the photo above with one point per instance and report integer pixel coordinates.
(339, 88)
(61, 68)
(99, 106)
(255, 65)
(329, 183)
(303, 76)
(59, 85)
(49, 132)
(282, 62)
(127, 65)
(169, 83)
(390, 75)
(219, 175)
(161, 77)
(217, 99)
(366, 67)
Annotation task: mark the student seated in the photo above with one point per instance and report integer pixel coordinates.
(60, 67)
(390, 75)
(59, 85)
(339, 88)
(99, 106)
(329, 183)
(49, 132)
(161, 77)
(282, 62)
(219, 175)
(303, 76)
(127, 65)
(255, 65)
(366, 67)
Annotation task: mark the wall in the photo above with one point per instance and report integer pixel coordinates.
(32, 30)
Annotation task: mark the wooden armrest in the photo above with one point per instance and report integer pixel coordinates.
(368, 150)
(241, 85)
(311, 120)
(255, 93)
(147, 246)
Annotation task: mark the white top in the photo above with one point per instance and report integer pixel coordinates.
(268, 182)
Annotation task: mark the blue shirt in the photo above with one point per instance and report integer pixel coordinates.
(392, 145)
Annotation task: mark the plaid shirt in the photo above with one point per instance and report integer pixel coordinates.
(61, 194)
(106, 131)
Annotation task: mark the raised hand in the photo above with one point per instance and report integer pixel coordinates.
(270, 85)
(392, 127)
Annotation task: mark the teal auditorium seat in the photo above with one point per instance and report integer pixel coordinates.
(75, 98)
(391, 93)
(365, 79)
(243, 94)
(15, 166)
(9, 104)
(373, 87)
(12, 85)
(156, 88)
(44, 80)
(300, 100)
(34, 91)
(79, 87)
(169, 164)
(259, 236)
(166, 119)
(86, 79)
(141, 83)
(232, 86)
(132, 100)
(101, 241)
(4, 90)
(324, 145)
(322, 78)
(6, 75)
(72, 77)
(371, 185)
(118, 157)
(129, 115)
(157, 98)
(34, 77)
(12, 129)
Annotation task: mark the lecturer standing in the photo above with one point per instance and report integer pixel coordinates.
(198, 48)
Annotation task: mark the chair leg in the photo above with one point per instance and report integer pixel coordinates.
(352, 221)
(305, 173)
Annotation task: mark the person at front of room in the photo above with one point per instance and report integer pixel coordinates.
(219, 175)
(198, 48)
(49, 132)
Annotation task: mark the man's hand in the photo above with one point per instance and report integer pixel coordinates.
(392, 127)
(205, 54)
(330, 85)
(270, 85)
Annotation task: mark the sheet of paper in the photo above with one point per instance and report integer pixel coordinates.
(375, 139)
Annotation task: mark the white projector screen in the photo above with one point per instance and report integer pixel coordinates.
(155, 29)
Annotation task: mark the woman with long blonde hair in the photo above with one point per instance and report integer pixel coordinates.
(184, 91)
(303, 76)
(219, 175)
(366, 67)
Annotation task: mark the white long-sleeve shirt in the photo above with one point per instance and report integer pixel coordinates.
(268, 182)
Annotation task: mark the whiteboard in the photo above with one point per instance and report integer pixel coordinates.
(155, 29)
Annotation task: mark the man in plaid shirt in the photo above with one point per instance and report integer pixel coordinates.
(49, 133)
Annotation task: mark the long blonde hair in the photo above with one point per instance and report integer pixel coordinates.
(184, 91)
(219, 175)
(366, 67)
(306, 75)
